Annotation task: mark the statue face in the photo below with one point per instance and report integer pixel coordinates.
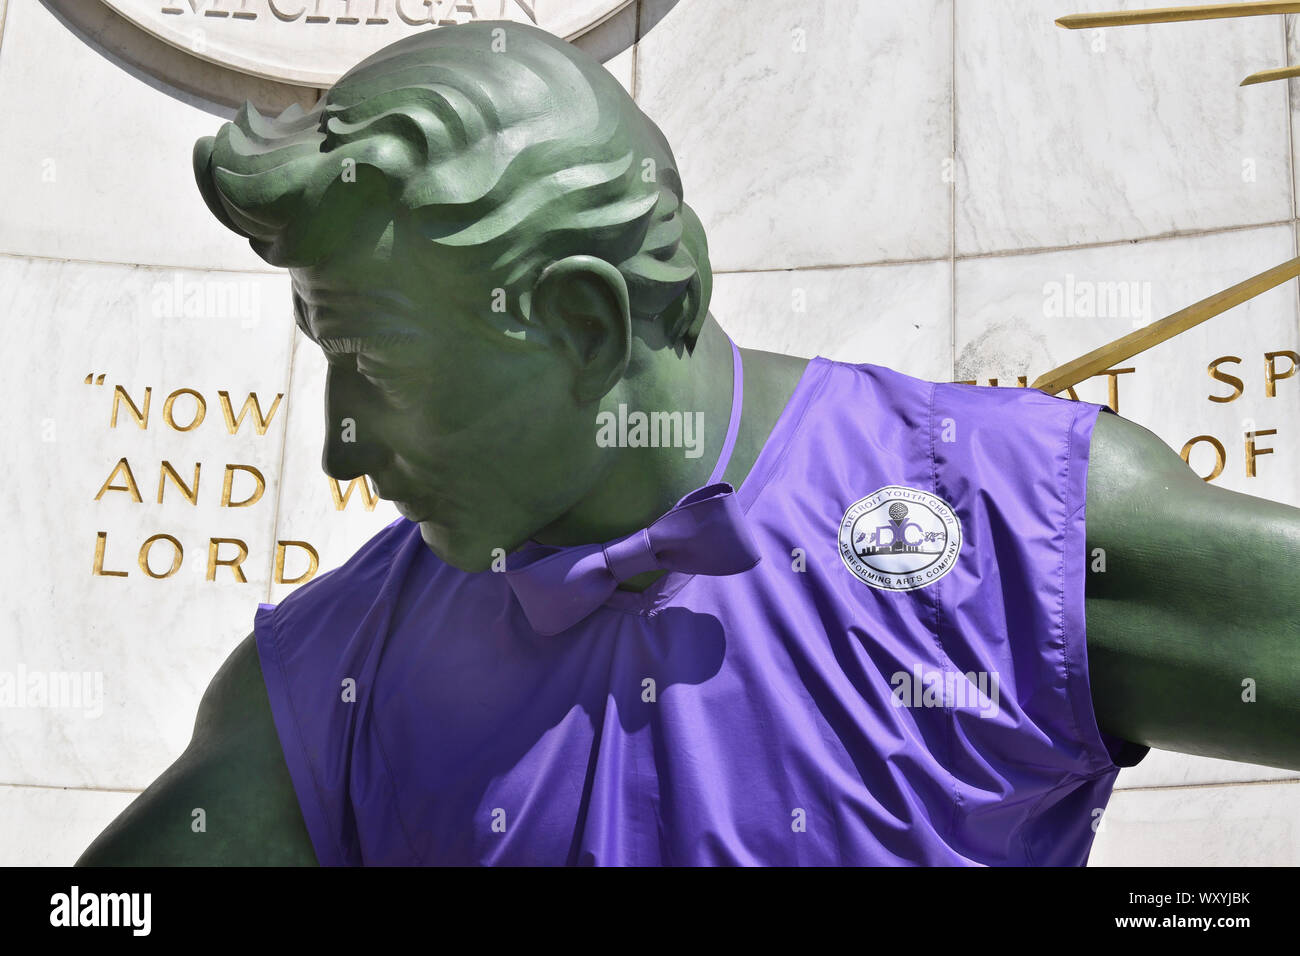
(475, 436)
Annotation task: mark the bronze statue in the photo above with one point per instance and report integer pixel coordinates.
(488, 239)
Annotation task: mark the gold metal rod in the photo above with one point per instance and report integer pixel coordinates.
(1264, 76)
(1098, 360)
(1213, 11)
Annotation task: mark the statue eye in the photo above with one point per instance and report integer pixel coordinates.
(396, 387)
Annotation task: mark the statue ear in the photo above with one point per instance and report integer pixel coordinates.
(582, 302)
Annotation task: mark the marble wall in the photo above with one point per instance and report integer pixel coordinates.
(902, 182)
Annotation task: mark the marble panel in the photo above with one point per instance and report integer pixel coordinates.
(52, 826)
(1079, 136)
(899, 316)
(1254, 824)
(105, 661)
(806, 134)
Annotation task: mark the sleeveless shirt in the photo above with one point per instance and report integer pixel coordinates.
(901, 679)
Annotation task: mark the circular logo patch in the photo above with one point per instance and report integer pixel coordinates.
(899, 538)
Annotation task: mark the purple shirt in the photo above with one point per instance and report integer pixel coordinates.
(902, 679)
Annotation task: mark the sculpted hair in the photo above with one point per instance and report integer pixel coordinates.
(493, 163)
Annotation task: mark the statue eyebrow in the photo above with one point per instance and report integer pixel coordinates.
(347, 345)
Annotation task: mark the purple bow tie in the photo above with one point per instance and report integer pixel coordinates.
(704, 533)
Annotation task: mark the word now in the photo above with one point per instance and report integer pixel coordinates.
(195, 409)
(214, 559)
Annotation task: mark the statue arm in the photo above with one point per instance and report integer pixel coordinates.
(234, 771)
(1193, 626)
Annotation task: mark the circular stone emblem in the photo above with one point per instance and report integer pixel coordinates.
(313, 42)
(899, 538)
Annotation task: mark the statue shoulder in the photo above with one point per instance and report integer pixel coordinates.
(1143, 504)
(228, 799)
(1191, 598)
(1124, 452)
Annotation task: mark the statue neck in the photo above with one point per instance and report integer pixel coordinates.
(640, 484)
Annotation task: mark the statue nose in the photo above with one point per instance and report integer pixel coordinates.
(352, 446)
(345, 461)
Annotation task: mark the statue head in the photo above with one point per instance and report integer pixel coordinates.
(487, 238)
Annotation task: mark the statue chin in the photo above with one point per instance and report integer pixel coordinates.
(456, 550)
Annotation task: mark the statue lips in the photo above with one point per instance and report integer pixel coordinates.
(412, 512)
(418, 511)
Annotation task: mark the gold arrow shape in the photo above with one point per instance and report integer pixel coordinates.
(1264, 76)
(1126, 346)
(1213, 11)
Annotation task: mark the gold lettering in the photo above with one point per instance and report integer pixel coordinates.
(192, 494)
(1022, 381)
(1238, 386)
(229, 480)
(233, 563)
(1112, 386)
(141, 418)
(1271, 374)
(261, 424)
(1221, 456)
(200, 409)
(101, 540)
(341, 497)
(1252, 451)
(178, 554)
(312, 557)
(130, 485)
